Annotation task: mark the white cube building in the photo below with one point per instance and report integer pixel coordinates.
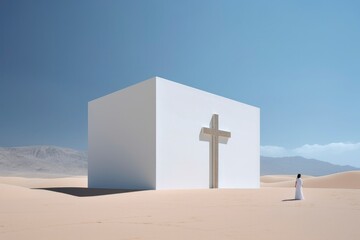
(159, 134)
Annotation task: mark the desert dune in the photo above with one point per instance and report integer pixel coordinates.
(347, 180)
(36, 182)
(280, 178)
(27, 211)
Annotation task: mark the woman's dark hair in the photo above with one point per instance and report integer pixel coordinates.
(299, 175)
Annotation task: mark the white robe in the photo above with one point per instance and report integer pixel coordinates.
(299, 193)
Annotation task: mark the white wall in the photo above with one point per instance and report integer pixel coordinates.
(183, 159)
(122, 138)
(147, 136)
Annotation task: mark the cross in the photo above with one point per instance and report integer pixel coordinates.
(215, 133)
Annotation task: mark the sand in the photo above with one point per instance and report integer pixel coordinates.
(347, 180)
(78, 181)
(265, 213)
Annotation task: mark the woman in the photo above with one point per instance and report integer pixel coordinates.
(298, 185)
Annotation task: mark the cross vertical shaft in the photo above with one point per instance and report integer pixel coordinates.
(215, 134)
(215, 151)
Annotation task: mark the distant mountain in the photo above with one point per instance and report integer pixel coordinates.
(58, 161)
(42, 160)
(295, 165)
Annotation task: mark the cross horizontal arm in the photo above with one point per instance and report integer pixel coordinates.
(215, 132)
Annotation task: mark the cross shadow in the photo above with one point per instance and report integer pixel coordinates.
(288, 200)
(87, 192)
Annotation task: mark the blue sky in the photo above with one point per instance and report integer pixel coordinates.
(296, 60)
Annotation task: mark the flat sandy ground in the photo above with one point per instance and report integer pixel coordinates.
(67, 210)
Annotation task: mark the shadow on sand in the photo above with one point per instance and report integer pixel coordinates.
(287, 200)
(87, 192)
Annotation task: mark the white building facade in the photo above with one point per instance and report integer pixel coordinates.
(159, 134)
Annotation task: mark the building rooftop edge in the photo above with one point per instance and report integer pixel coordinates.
(157, 78)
